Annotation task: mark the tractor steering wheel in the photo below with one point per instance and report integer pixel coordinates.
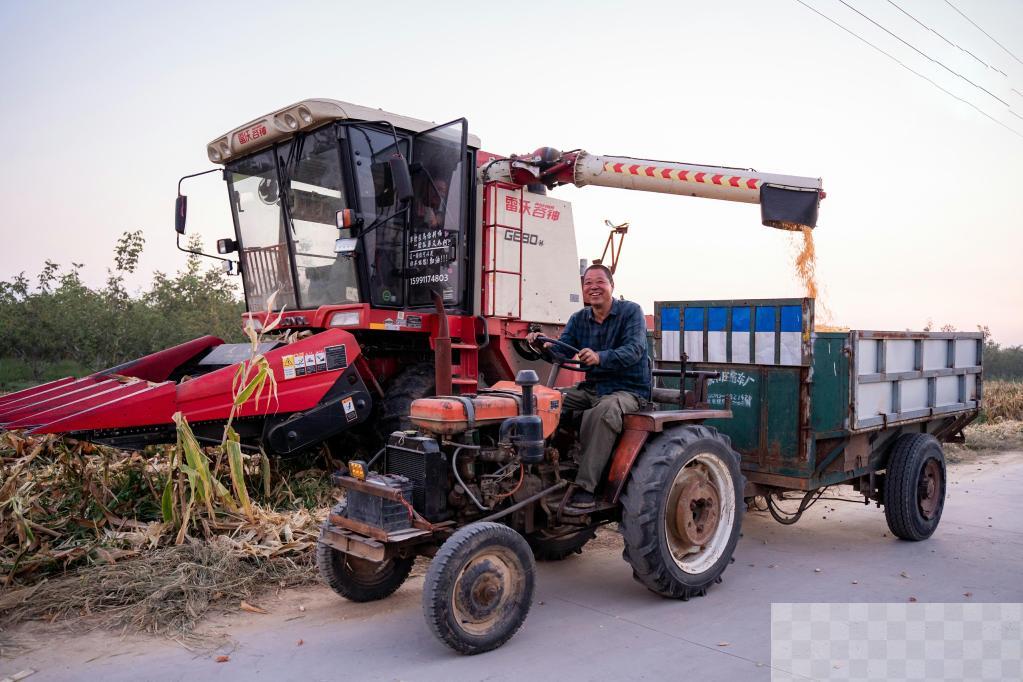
(572, 365)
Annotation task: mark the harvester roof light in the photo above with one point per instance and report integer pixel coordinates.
(291, 121)
(344, 319)
(304, 114)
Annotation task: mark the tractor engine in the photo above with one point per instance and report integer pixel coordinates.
(476, 454)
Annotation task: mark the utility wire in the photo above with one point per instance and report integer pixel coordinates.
(922, 54)
(983, 31)
(955, 45)
(910, 69)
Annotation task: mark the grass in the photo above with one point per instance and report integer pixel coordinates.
(16, 374)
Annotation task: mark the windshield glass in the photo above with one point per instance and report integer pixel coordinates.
(311, 171)
(315, 195)
(384, 245)
(264, 244)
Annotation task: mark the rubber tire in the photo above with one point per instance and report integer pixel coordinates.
(337, 573)
(446, 567)
(417, 381)
(556, 549)
(905, 466)
(643, 518)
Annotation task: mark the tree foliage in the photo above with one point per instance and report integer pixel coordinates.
(59, 318)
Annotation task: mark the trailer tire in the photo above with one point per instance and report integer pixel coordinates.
(548, 548)
(355, 579)
(678, 550)
(914, 486)
(479, 587)
(415, 382)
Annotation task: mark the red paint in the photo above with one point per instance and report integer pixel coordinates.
(650, 171)
(666, 173)
(734, 181)
(700, 176)
(716, 179)
(751, 184)
(634, 170)
(683, 175)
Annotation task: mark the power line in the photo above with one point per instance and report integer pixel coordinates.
(922, 54)
(910, 69)
(983, 31)
(955, 45)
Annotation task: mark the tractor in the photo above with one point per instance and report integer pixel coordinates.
(481, 485)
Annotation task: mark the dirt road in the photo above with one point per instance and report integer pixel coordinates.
(590, 619)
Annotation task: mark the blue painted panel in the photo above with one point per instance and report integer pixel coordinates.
(765, 319)
(694, 319)
(791, 318)
(740, 319)
(716, 319)
(670, 319)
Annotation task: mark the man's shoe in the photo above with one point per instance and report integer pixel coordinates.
(581, 502)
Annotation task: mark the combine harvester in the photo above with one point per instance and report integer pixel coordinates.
(409, 261)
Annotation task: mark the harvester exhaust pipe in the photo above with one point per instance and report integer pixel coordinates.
(787, 202)
(442, 349)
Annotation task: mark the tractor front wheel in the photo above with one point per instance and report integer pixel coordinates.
(479, 587)
(682, 511)
(356, 579)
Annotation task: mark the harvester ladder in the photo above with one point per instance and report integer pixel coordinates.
(491, 228)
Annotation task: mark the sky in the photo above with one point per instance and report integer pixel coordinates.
(105, 105)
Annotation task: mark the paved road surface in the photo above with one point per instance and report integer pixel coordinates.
(590, 620)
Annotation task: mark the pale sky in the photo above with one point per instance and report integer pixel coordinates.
(105, 105)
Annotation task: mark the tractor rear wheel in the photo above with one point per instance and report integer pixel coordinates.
(682, 511)
(914, 486)
(479, 587)
(356, 579)
(553, 545)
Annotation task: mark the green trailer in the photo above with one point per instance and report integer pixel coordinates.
(813, 409)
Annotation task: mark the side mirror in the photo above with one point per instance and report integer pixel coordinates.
(180, 213)
(402, 179)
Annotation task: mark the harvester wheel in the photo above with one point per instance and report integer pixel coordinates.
(914, 486)
(554, 545)
(356, 579)
(479, 587)
(415, 382)
(682, 511)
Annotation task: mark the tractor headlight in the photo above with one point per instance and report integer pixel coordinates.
(344, 319)
(357, 469)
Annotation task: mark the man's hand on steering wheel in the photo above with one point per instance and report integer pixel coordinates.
(582, 360)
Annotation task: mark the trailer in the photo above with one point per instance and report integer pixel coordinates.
(811, 409)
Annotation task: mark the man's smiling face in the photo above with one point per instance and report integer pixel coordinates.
(597, 288)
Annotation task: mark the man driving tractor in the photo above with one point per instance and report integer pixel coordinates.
(612, 337)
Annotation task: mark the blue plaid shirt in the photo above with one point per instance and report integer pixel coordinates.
(620, 341)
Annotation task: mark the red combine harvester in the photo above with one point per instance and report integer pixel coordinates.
(408, 262)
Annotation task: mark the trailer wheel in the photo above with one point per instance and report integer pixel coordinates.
(914, 487)
(682, 511)
(554, 546)
(356, 579)
(479, 587)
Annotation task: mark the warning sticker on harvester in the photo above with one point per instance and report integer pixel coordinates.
(336, 357)
(321, 361)
(310, 363)
(288, 361)
(300, 365)
(349, 406)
